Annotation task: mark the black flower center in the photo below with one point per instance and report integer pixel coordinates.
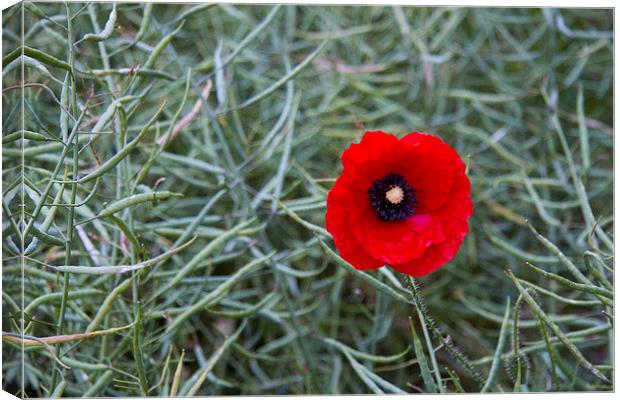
(392, 197)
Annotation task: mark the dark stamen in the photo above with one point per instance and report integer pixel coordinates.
(392, 197)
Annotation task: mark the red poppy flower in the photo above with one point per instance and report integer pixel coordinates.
(401, 202)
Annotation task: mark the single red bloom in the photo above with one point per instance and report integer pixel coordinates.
(401, 202)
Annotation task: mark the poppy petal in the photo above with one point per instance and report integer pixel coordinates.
(337, 222)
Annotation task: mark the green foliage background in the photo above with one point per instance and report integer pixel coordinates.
(258, 302)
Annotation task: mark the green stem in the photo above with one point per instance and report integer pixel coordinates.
(72, 141)
(137, 353)
(459, 357)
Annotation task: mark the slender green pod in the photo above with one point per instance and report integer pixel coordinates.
(29, 62)
(126, 230)
(208, 250)
(252, 35)
(556, 329)
(592, 289)
(143, 72)
(32, 151)
(59, 390)
(552, 354)
(429, 383)
(144, 24)
(558, 297)
(214, 359)
(101, 383)
(501, 340)
(251, 310)
(431, 353)
(161, 45)
(298, 219)
(597, 273)
(374, 282)
(111, 163)
(119, 269)
(542, 211)
(37, 55)
(107, 30)
(217, 293)
(383, 383)
(110, 111)
(167, 136)
(190, 11)
(46, 237)
(63, 121)
(155, 54)
(584, 137)
(284, 79)
(360, 370)
(51, 297)
(132, 200)
(107, 303)
(191, 228)
(560, 256)
(176, 381)
(24, 134)
(360, 354)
